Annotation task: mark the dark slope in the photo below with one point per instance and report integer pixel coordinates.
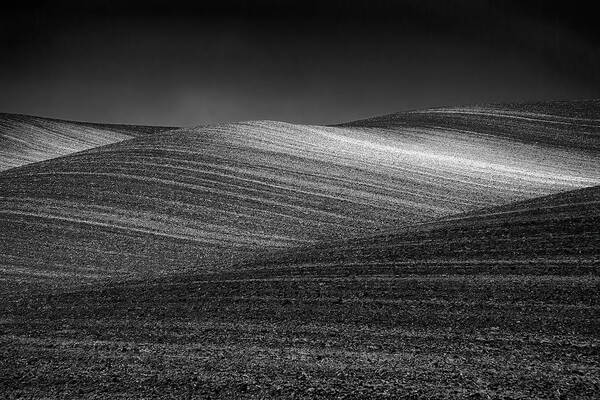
(26, 139)
(550, 231)
(561, 123)
(502, 303)
(204, 197)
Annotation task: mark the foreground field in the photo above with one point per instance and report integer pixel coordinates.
(433, 331)
(379, 317)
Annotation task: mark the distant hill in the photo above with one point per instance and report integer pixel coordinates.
(25, 139)
(558, 123)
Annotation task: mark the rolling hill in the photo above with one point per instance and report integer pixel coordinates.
(25, 139)
(205, 198)
(551, 231)
(559, 124)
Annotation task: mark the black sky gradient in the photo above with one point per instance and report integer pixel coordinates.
(171, 63)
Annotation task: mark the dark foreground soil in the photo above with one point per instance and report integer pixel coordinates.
(381, 331)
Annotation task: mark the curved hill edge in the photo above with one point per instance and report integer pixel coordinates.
(561, 124)
(28, 139)
(562, 228)
(579, 109)
(133, 129)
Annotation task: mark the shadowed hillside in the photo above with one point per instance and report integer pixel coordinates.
(205, 197)
(25, 139)
(502, 303)
(551, 231)
(558, 124)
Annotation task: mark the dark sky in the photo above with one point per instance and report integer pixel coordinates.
(167, 63)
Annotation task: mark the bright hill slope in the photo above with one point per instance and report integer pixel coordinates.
(25, 139)
(203, 197)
